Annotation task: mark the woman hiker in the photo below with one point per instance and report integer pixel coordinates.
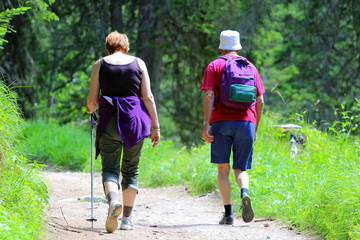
(120, 85)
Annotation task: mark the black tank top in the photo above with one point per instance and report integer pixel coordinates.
(120, 80)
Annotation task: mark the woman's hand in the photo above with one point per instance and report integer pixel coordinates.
(155, 136)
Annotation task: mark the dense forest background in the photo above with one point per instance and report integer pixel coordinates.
(307, 53)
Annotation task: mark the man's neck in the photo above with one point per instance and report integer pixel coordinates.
(229, 52)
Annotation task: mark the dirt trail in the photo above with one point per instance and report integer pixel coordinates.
(163, 213)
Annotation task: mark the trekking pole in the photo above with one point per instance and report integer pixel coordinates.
(93, 124)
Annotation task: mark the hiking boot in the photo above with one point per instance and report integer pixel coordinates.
(247, 210)
(229, 220)
(126, 224)
(112, 219)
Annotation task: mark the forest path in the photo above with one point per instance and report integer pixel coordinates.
(161, 213)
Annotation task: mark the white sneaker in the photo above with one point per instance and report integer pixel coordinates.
(112, 219)
(126, 224)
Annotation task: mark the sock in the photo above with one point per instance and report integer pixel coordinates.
(112, 197)
(228, 210)
(111, 191)
(127, 211)
(244, 191)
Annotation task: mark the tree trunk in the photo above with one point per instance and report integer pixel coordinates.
(149, 40)
(116, 15)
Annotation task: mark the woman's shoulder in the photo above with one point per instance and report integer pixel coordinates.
(118, 59)
(97, 64)
(141, 63)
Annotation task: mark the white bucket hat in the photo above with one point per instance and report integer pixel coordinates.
(230, 40)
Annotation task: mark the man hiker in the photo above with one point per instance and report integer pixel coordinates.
(231, 119)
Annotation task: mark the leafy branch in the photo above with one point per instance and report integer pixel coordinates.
(5, 18)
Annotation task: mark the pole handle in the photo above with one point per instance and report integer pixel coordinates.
(94, 119)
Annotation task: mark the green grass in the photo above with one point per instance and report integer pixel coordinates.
(61, 147)
(23, 193)
(167, 165)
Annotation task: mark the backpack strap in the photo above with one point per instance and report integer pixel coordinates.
(241, 58)
(224, 57)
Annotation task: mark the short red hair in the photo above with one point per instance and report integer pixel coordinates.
(116, 41)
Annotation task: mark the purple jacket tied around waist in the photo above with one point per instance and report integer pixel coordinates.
(134, 123)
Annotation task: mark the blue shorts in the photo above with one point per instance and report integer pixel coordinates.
(233, 135)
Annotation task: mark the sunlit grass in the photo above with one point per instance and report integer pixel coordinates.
(23, 194)
(168, 165)
(23, 197)
(318, 189)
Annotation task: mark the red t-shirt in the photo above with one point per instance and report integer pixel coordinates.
(212, 81)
